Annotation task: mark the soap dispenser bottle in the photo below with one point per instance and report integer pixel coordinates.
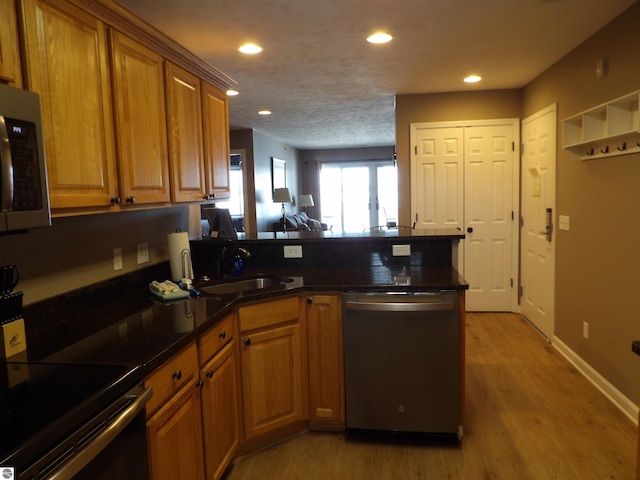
(238, 266)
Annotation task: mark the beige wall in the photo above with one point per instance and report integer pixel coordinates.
(598, 259)
(443, 107)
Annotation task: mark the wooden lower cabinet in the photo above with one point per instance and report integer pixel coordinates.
(326, 364)
(175, 438)
(174, 423)
(221, 407)
(272, 365)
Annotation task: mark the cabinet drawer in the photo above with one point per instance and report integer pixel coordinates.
(212, 341)
(265, 314)
(168, 379)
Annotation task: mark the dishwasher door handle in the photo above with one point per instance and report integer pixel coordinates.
(399, 306)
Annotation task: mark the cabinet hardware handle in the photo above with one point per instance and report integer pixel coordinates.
(115, 201)
(222, 335)
(309, 300)
(209, 374)
(131, 200)
(247, 341)
(200, 384)
(177, 375)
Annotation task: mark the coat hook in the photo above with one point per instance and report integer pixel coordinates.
(623, 147)
(606, 149)
(590, 152)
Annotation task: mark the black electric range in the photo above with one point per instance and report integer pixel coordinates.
(43, 403)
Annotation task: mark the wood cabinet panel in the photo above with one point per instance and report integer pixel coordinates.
(266, 314)
(170, 377)
(271, 364)
(216, 140)
(175, 437)
(10, 69)
(185, 135)
(325, 350)
(66, 63)
(212, 341)
(221, 410)
(138, 78)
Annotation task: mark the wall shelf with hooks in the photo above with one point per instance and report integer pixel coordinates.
(607, 130)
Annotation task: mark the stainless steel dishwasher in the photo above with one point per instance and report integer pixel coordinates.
(402, 363)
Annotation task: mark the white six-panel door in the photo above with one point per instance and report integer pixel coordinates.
(489, 212)
(538, 194)
(463, 176)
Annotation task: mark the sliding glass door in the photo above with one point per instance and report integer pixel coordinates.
(358, 196)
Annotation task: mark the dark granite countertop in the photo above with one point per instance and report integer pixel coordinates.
(135, 328)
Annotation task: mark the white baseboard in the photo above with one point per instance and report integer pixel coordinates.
(625, 405)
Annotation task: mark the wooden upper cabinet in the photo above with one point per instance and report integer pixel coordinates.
(10, 70)
(216, 140)
(66, 63)
(138, 82)
(185, 135)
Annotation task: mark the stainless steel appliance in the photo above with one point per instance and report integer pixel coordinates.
(402, 363)
(72, 421)
(24, 199)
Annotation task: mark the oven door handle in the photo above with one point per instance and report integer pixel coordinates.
(93, 449)
(399, 306)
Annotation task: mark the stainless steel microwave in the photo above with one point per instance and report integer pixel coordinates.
(24, 196)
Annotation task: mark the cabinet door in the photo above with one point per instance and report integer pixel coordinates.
(271, 379)
(175, 438)
(141, 119)
(326, 367)
(216, 140)
(66, 63)
(185, 135)
(221, 410)
(9, 45)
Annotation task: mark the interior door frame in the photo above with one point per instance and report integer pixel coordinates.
(514, 123)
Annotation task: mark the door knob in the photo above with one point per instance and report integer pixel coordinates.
(469, 229)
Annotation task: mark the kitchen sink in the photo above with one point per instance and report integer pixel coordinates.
(246, 285)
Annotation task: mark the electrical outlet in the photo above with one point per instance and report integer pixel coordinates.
(143, 253)
(117, 259)
(401, 250)
(585, 330)
(293, 251)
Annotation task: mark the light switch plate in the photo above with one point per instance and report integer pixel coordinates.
(117, 259)
(143, 253)
(401, 250)
(563, 222)
(293, 251)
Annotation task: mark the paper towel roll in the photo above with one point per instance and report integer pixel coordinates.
(180, 256)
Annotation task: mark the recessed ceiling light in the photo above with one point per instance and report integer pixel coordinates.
(472, 79)
(379, 37)
(264, 112)
(250, 48)
(232, 93)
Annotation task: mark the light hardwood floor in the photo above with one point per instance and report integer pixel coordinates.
(530, 415)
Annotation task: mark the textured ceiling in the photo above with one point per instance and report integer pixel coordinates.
(328, 87)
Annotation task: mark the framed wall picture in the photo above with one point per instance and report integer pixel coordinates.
(278, 173)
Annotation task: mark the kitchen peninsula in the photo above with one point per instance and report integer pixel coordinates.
(209, 356)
